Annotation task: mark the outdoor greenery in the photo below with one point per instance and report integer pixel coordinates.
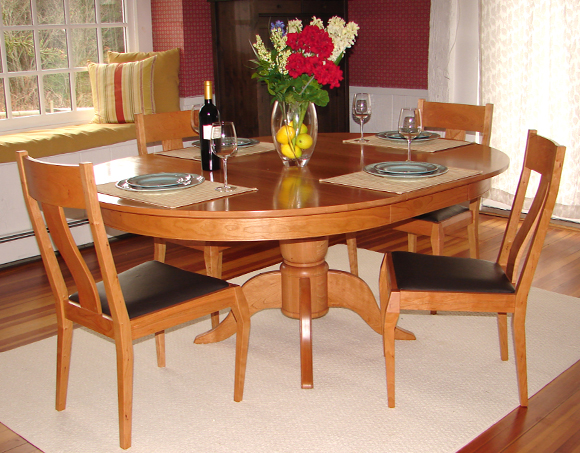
(64, 47)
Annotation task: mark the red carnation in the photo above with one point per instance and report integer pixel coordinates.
(328, 73)
(311, 40)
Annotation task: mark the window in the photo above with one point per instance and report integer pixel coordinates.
(45, 46)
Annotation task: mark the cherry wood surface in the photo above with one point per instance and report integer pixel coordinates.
(549, 424)
(301, 223)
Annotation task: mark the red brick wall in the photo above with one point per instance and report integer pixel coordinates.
(377, 59)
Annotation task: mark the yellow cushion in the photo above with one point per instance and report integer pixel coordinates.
(122, 89)
(166, 76)
(68, 139)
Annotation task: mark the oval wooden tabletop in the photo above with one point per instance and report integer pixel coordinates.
(293, 203)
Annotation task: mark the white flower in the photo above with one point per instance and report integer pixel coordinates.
(317, 22)
(343, 35)
(262, 52)
(294, 26)
(281, 61)
(278, 38)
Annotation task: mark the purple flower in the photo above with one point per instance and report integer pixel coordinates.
(278, 24)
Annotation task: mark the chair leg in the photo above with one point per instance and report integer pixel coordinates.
(212, 257)
(124, 346)
(64, 345)
(159, 249)
(241, 312)
(412, 242)
(473, 230)
(437, 239)
(519, 329)
(389, 325)
(352, 253)
(503, 335)
(160, 348)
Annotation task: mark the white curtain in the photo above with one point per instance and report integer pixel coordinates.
(530, 71)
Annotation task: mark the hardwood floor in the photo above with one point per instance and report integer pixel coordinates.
(551, 423)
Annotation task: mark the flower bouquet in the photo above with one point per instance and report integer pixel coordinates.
(295, 70)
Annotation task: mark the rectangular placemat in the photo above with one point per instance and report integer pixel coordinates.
(428, 146)
(174, 198)
(365, 180)
(194, 152)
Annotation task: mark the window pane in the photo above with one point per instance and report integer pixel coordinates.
(24, 96)
(50, 11)
(19, 50)
(53, 49)
(84, 46)
(111, 11)
(82, 11)
(57, 92)
(113, 40)
(2, 101)
(16, 12)
(83, 90)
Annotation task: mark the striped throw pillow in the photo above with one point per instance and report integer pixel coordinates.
(122, 89)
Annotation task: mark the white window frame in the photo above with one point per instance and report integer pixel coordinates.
(138, 37)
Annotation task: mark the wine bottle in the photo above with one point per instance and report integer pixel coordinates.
(208, 114)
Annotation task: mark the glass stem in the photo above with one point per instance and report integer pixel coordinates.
(226, 172)
(362, 123)
(409, 149)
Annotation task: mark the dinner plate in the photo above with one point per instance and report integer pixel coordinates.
(242, 142)
(405, 168)
(373, 170)
(160, 181)
(395, 136)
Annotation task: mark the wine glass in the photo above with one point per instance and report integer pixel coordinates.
(410, 126)
(361, 110)
(224, 143)
(195, 117)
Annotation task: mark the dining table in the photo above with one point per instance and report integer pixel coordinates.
(300, 208)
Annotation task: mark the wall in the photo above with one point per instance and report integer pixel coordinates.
(392, 50)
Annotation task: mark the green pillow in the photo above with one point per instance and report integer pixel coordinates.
(166, 76)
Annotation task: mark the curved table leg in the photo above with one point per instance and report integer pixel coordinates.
(261, 291)
(349, 291)
(307, 373)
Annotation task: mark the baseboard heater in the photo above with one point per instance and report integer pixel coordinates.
(29, 233)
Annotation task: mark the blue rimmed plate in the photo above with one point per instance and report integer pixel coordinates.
(395, 136)
(160, 181)
(405, 169)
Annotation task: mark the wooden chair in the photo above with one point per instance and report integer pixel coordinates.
(413, 281)
(455, 120)
(146, 299)
(170, 129)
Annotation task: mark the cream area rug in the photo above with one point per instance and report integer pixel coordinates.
(451, 384)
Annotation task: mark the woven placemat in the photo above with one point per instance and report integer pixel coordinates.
(428, 146)
(174, 198)
(365, 180)
(194, 152)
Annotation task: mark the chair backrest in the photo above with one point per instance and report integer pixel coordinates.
(457, 119)
(523, 240)
(52, 188)
(169, 128)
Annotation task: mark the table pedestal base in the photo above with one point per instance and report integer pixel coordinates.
(304, 289)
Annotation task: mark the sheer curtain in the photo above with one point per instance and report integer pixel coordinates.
(530, 71)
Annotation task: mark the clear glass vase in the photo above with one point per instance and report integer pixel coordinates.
(294, 131)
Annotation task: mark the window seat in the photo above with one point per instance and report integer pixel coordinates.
(68, 139)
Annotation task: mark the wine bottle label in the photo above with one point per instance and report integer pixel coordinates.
(207, 131)
(216, 132)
